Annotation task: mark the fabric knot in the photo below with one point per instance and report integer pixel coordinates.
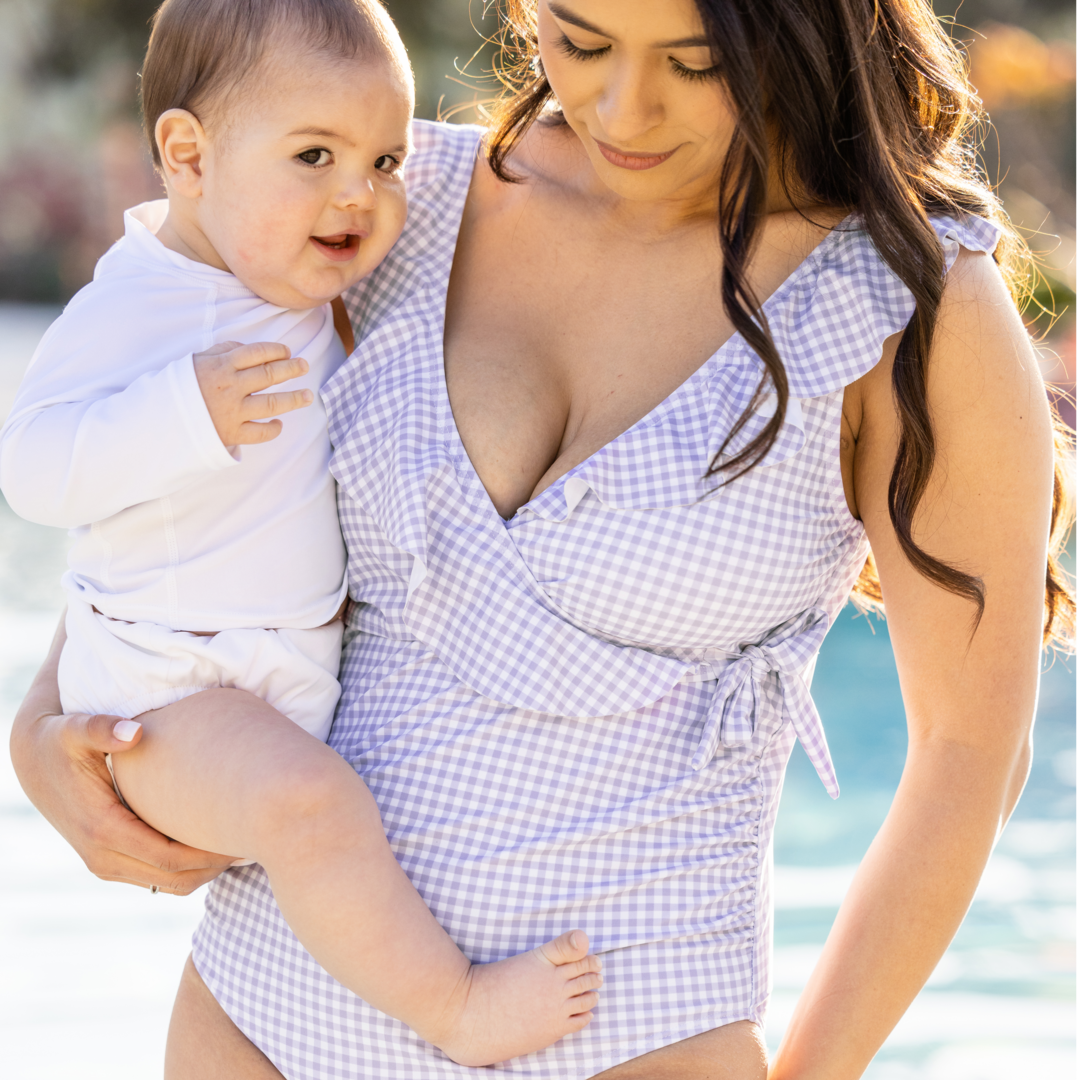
(762, 662)
(739, 699)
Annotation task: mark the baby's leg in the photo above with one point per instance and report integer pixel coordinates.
(223, 771)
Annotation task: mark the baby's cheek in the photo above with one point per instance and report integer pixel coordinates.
(398, 211)
(261, 251)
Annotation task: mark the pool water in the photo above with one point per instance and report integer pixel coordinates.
(90, 967)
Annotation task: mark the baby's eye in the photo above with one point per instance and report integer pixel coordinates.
(388, 163)
(315, 157)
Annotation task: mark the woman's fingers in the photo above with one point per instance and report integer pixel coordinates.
(65, 775)
(100, 734)
(129, 837)
(136, 854)
(60, 762)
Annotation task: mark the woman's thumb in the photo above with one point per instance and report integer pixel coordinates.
(111, 734)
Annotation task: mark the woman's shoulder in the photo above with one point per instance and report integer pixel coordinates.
(441, 154)
(832, 323)
(966, 232)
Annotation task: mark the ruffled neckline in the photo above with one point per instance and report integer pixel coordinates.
(559, 499)
(830, 319)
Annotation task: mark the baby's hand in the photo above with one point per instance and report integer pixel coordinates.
(231, 377)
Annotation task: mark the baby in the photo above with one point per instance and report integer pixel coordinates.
(206, 546)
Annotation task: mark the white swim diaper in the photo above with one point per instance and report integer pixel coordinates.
(123, 669)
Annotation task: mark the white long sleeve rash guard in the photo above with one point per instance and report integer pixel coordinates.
(110, 437)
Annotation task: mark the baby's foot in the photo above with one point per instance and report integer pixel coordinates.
(523, 1003)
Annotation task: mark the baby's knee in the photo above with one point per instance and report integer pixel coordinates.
(309, 796)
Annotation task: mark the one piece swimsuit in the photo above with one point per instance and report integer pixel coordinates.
(579, 716)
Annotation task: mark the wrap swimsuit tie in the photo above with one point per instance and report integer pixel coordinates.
(739, 702)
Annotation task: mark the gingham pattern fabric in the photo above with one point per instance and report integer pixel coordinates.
(580, 716)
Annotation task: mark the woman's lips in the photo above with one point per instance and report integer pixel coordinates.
(626, 159)
(340, 247)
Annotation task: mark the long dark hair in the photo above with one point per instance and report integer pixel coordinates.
(865, 105)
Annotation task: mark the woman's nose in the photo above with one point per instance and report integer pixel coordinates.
(630, 105)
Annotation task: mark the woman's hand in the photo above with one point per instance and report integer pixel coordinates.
(60, 762)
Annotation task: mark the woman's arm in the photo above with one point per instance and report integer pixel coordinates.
(60, 762)
(969, 693)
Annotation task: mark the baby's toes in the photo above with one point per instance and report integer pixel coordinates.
(591, 980)
(566, 948)
(583, 1003)
(580, 967)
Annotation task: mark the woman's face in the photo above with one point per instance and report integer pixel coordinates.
(635, 81)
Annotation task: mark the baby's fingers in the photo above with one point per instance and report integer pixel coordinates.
(249, 433)
(255, 379)
(262, 352)
(263, 406)
(218, 350)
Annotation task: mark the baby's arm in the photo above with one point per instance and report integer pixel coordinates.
(72, 454)
(225, 771)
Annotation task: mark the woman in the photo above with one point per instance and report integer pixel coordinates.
(605, 483)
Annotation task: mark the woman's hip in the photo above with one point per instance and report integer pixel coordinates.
(656, 993)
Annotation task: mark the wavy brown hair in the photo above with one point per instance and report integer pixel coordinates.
(863, 105)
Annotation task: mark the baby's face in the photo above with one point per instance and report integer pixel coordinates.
(302, 190)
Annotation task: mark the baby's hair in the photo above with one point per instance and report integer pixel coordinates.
(201, 51)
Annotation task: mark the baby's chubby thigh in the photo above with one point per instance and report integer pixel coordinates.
(216, 768)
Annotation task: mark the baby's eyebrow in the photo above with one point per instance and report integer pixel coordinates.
(320, 133)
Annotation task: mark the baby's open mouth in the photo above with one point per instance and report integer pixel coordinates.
(340, 245)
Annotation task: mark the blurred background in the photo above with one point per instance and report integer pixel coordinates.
(72, 156)
(88, 969)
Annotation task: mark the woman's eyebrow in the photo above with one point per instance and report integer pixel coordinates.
(567, 16)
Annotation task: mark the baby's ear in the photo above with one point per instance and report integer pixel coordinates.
(182, 143)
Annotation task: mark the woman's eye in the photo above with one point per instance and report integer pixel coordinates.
(695, 74)
(576, 52)
(388, 163)
(315, 158)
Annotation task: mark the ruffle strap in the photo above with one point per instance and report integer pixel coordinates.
(740, 698)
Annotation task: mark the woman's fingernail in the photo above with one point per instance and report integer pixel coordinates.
(573, 941)
(126, 730)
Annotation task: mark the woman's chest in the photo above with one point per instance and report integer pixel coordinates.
(559, 337)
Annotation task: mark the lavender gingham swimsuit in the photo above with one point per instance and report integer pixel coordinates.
(580, 716)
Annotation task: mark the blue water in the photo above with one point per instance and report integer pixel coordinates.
(89, 967)
(1001, 1003)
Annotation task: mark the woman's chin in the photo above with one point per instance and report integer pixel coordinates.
(669, 181)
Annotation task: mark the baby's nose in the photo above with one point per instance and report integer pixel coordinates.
(360, 194)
